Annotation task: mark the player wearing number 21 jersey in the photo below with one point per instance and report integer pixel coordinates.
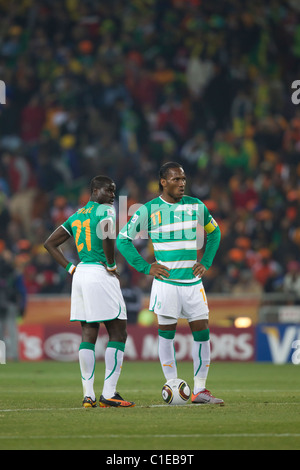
(96, 294)
(89, 226)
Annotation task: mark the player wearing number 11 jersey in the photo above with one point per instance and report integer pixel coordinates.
(96, 294)
(171, 221)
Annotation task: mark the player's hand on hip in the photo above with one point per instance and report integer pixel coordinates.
(114, 273)
(117, 275)
(199, 270)
(159, 270)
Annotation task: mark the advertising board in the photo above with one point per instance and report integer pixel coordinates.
(278, 343)
(61, 343)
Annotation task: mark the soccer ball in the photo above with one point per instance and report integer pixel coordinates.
(176, 392)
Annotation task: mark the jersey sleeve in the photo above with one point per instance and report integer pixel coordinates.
(137, 226)
(67, 226)
(213, 235)
(210, 225)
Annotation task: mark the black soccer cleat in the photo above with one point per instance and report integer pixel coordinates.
(116, 401)
(88, 402)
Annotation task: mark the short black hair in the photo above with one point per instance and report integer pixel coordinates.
(164, 169)
(99, 181)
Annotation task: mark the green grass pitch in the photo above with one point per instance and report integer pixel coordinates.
(40, 408)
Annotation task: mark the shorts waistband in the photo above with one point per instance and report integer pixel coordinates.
(93, 265)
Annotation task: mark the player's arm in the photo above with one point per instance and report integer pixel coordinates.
(212, 244)
(127, 249)
(52, 245)
(132, 256)
(109, 251)
(107, 233)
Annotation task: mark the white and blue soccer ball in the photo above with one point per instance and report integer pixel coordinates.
(176, 392)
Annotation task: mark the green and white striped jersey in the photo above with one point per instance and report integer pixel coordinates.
(176, 231)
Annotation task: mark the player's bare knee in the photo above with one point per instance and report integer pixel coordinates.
(124, 336)
(117, 331)
(119, 336)
(89, 332)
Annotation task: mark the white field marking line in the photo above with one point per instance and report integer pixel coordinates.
(165, 406)
(146, 436)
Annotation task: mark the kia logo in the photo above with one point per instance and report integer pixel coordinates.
(63, 347)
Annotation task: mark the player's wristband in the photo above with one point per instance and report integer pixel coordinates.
(70, 268)
(111, 267)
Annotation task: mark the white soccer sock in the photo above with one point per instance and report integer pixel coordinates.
(166, 353)
(201, 360)
(114, 355)
(87, 368)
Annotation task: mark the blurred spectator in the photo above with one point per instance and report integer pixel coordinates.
(291, 281)
(32, 120)
(173, 118)
(199, 72)
(12, 301)
(243, 194)
(266, 271)
(43, 276)
(195, 152)
(60, 211)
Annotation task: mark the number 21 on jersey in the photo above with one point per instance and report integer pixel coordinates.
(87, 228)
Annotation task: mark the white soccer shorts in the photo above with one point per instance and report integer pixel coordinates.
(96, 295)
(174, 301)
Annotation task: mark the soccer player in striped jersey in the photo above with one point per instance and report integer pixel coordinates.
(96, 294)
(171, 220)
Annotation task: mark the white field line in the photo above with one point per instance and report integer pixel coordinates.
(151, 436)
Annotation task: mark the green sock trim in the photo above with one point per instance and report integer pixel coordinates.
(116, 345)
(167, 334)
(115, 366)
(91, 346)
(85, 345)
(201, 335)
(200, 359)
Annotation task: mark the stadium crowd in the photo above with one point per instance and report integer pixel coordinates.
(119, 88)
